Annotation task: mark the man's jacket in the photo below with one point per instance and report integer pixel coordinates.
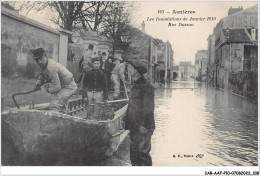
(95, 80)
(108, 66)
(85, 64)
(140, 110)
(119, 70)
(55, 74)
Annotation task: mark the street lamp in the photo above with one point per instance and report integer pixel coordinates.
(124, 39)
(125, 36)
(253, 35)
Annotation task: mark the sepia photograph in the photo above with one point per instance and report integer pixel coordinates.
(129, 83)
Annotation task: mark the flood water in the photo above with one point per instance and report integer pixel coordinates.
(200, 127)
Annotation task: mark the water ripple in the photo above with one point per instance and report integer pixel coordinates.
(219, 125)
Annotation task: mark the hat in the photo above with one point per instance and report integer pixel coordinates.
(97, 58)
(139, 65)
(90, 46)
(38, 52)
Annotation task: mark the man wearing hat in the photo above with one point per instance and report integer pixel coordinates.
(117, 75)
(60, 81)
(108, 67)
(94, 85)
(139, 118)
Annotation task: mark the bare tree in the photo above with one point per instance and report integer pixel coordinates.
(71, 14)
(65, 13)
(117, 24)
(93, 13)
(68, 11)
(109, 18)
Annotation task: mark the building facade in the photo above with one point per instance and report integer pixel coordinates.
(186, 70)
(159, 55)
(165, 62)
(152, 70)
(236, 52)
(201, 62)
(175, 72)
(211, 74)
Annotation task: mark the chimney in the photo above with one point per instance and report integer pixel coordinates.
(234, 10)
(143, 26)
(253, 34)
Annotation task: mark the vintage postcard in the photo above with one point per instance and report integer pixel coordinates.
(129, 83)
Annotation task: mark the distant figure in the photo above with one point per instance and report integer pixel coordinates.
(103, 60)
(108, 67)
(94, 85)
(60, 81)
(117, 75)
(140, 115)
(85, 62)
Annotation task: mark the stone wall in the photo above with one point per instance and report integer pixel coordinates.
(18, 38)
(20, 35)
(244, 83)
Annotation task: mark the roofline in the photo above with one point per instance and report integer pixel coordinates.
(240, 42)
(154, 39)
(230, 42)
(240, 11)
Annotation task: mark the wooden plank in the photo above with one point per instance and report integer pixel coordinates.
(112, 101)
(79, 109)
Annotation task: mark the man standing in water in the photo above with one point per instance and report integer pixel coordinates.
(94, 87)
(140, 115)
(60, 81)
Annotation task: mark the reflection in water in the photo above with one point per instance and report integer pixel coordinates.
(234, 126)
(220, 126)
(200, 127)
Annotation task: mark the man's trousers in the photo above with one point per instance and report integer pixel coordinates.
(140, 147)
(60, 98)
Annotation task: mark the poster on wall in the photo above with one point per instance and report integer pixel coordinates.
(129, 83)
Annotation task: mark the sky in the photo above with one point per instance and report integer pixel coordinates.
(185, 40)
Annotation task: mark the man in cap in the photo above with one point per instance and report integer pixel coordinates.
(60, 81)
(109, 66)
(139, 118)
(103, 60)
(117, 75)
(94, 85)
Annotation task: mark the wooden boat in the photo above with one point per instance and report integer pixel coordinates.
(32, 136)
